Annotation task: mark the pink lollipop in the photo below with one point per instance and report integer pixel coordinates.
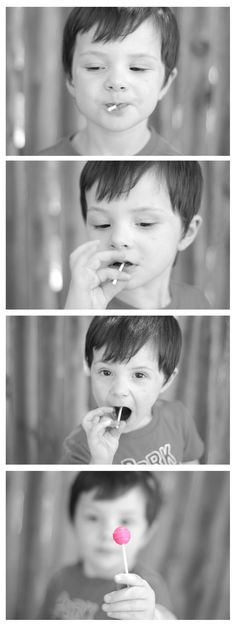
(122, 536)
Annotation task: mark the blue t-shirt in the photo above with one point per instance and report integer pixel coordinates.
(73, 596)
(183, 296)
(170, 438)
(156, 145)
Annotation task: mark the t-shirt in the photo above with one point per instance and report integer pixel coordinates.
(71, 595)
(170, 438)
(183, 296)
(156, 145)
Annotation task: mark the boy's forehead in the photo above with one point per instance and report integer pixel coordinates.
(130, 500)
(145, 40)
(146, 356)
(149, 192)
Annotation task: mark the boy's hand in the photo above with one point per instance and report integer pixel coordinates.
(91, 277)
(136, 602)
(102, 434)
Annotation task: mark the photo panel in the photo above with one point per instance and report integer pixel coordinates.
(167, 221)
(62, 559)
(66, 93)
(69, 376)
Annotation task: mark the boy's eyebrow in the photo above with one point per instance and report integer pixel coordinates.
(96, 502)
(131, 209)
(137, 55)
(110, 363)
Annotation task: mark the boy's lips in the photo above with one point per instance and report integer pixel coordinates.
(129, 266)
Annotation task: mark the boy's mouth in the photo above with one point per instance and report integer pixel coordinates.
(128, 265)
(125, 413)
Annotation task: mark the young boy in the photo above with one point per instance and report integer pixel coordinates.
(131, 361)
(119, 63)
(92, 587)
(139, 215)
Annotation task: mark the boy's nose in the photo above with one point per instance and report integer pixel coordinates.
(120, 389)
(120, 238)
(107, 529)
(116, 81)
(116, 86)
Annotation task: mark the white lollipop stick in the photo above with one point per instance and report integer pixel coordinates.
(119, 417)
(112, 107)
(125, 559)
(122, 265)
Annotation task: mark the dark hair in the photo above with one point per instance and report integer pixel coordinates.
(110, 484)
(116, 23)
(123, 336)
(183, 180)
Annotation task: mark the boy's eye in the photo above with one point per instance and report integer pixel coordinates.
(136, 68)
(146, 224)
(126, 521)
(101, 226)
(95, 68)
(140, 375)
(91, 517)
(105, 373)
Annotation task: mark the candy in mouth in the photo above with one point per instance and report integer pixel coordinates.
(112, 106)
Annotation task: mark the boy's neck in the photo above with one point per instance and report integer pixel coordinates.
(143, 423)
(93, 572)
(94, 140)
(154, 295)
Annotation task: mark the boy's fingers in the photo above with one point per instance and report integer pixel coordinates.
(126, 594)
(107, 257)
(109, 274)
(83, 251)
(126, 605)
(131, 579)
(94, 416)
(88, 254)
(117, 430)
(102, 425)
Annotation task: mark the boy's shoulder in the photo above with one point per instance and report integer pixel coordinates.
(157, 145)
(157, 583)
(185, 296)
(75, 447)
(63, 147)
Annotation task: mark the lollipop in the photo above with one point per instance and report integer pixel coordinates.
(117, 427)
(122, 536)
(122, 265)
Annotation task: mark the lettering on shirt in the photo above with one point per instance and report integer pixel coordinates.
(73, 609)
(162, 456)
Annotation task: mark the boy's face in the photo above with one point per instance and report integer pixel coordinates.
(127, 72)
(135, 384)
(94, 523)
(143, 225)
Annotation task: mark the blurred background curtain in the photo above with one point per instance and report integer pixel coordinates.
(194, 115)
(48, 393)
(44, 225)
(190, 547)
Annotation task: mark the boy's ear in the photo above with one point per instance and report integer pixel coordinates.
(86, 368)
(191, 233)
(70, 86)
(168, 83)
(170, 380)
